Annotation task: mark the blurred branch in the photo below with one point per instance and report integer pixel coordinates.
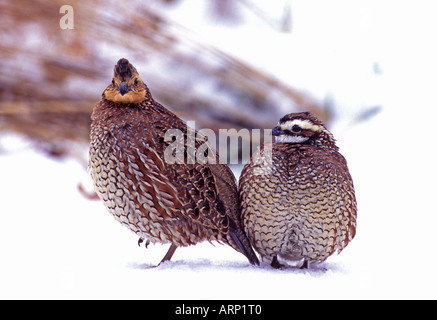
(283, 24)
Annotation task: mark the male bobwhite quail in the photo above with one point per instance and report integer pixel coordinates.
(297, 196)
(180, 203)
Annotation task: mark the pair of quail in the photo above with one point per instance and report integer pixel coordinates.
(295, 198)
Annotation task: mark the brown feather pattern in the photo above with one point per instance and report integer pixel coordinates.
(181, 204)
(297, 198)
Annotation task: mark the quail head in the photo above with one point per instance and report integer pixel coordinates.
(179, 203)
(297, 196)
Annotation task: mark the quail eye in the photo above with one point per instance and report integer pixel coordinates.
(296, 128)
(136, 82)
(113, 82)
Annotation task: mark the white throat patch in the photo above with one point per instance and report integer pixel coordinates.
(290, 139)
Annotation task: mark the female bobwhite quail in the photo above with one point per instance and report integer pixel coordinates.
(297, 196)
(176, 203)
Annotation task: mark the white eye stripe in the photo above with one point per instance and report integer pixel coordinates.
(303, 124)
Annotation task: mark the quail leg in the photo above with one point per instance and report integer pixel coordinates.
(275, 263)
(169, 253)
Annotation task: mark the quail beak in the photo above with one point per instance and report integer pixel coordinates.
(276, 131)
(123, 88)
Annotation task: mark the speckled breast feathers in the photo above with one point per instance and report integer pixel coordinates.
(297, 195)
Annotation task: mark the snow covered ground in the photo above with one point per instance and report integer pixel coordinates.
(54, 243)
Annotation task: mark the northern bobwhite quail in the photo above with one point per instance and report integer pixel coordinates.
(297, 196)
(176, 203)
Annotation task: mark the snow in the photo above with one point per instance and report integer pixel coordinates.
(54, 243)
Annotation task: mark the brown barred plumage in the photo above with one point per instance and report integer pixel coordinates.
(297, 196)
(180, 204)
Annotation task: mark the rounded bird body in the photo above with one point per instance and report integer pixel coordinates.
(297, 195)
(177, 203)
